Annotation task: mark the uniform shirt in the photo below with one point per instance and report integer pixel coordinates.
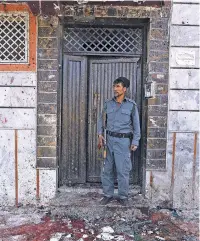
(121, 118)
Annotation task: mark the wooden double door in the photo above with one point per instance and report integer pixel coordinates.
(87, 83)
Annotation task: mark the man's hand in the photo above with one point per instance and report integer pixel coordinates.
(133, 148)
(100, 141)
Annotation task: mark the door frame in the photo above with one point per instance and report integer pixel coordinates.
(114, 23)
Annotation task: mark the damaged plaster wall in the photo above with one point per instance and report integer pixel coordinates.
(17, 137)
(179, 185)
(20, 181)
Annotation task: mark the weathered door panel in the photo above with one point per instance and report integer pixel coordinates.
(74, 116)
(102, 73)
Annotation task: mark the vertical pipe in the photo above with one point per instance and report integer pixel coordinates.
(173, 165)
(40, 6)
(16, 168)
(151, 179)
(151, 184)
(37, 184)
(194, 165)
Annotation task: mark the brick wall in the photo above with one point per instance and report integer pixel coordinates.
(158, 60)
(48, 78)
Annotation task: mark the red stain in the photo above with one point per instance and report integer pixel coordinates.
(3, 120)
(12, 79)
(48, 227)
(155, 217)
(44, 231)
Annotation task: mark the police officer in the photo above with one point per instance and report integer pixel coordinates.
(123, 135)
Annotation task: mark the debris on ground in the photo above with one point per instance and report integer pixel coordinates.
(78, 216)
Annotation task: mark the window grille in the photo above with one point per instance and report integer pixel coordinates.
(101, 40)
(14, 37)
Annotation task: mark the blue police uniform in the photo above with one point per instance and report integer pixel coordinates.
(122, 122)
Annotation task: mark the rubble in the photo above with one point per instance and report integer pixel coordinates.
(105, 236)
(159, 238)
(57, 236)
(79, 217)
(107, 230)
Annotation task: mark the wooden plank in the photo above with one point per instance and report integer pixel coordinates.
(185, 36)
(185, 14)
(11, 118)
(183, 121)
(18, 97)
(16, 168)
(18, 78)
(173, 165)
(26, 166)
(196, 168)
(38, 184)
(184, 100)
(184, 78)
(7, 167)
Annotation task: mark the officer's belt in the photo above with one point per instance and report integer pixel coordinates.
(120, 135)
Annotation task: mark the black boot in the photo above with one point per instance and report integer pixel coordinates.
(105, 200)
(124, 202)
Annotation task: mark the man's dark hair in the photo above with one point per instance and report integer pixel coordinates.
(119, 81)
(123, 80)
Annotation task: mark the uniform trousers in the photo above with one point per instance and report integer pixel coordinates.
(118, 154)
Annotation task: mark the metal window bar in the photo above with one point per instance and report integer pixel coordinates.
(103, 40)
(14, 37)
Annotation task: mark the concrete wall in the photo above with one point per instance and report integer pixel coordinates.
(179, 185)
(18, 137)
(20, 181)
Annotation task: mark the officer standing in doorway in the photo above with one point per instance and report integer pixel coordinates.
(123, 135)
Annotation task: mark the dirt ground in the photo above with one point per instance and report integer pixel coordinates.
(75, 214)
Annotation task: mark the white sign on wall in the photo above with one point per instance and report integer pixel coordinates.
(185, 57)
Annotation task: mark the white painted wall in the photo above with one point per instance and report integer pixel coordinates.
(18, 101)
(181, 189)
(17, 112)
